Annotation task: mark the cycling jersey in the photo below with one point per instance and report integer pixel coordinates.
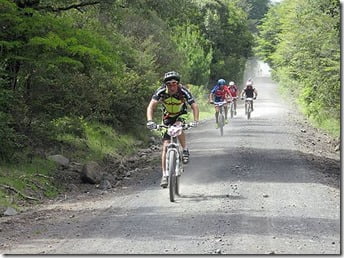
(220, 94)
(249, 92)
(175, 104)
(233, 90)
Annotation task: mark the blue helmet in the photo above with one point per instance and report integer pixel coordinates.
(221, 82)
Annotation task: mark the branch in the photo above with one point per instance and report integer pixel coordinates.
(73, 6)
(18, 192)
(41, 175)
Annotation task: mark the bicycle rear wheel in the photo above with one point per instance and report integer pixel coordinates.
(172, 179)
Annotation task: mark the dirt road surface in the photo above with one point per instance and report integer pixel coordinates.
(270, 185)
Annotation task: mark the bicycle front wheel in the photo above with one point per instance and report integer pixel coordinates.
(222, 123)
(172, 179)
(249, 110)
(232, 110)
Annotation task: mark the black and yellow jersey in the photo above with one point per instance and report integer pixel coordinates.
(174, 104)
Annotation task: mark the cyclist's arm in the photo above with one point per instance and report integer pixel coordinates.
(256, 93)
(151, 108)
(242, 93)
(195, 111)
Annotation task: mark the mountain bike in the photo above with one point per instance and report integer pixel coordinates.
(174, 158)
(248, 107)
(221, 118)
(231, 108)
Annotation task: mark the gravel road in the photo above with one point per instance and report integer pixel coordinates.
(270, 185)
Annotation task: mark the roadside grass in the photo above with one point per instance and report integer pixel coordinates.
(325, 123)
(27, 180)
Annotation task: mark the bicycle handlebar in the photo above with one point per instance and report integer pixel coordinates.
(185, 126)
(221, 103)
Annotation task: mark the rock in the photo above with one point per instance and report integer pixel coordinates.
(105, 185)
(59, 159)
(10, 212)
(91, 173)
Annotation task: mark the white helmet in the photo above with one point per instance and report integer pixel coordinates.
(231, 83)
(249, 83)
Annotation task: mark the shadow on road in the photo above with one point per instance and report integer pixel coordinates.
(260, 165)
(204, 197)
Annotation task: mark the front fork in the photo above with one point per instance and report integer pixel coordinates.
(173, 147)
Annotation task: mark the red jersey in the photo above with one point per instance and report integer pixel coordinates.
(220, 94)
(233, 89)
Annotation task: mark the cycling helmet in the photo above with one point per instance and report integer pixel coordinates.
(221, 82)
(231, 83)
(171, 76)
(249, 83)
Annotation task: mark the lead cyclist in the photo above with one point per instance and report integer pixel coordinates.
(173, 96)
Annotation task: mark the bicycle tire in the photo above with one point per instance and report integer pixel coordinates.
(249, 111)
(177, 188)
(222, 122)
(172, 175)
(232, 110)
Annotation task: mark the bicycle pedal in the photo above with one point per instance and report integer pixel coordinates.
(185, 160)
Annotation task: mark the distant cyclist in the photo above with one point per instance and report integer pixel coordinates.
(234, 91)
(173, 96)
(249, 91)
(220, 93)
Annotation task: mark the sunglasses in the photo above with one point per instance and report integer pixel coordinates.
(169, 83)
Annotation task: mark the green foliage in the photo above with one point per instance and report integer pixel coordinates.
(90, 140)
(200, 94)
(300, 40)
(225, 25)
(197, 51)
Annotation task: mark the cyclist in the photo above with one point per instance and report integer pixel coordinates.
(249, 92)
(219, 93)
(173, 96)
(234, 93)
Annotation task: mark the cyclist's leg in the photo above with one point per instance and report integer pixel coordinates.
(252, 105)
(166, 140)
(235, 105)
(182, 139)
(163, 156)
(164, 177)
(217, 114)
(225, 107)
